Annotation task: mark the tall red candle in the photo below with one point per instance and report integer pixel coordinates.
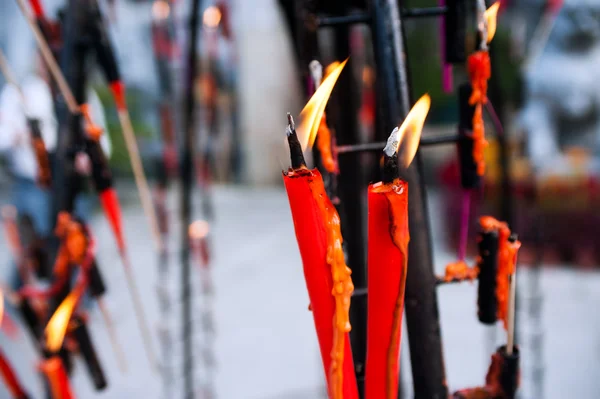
(387, 260)
(388, 257)
(317, 228)
(10, 379)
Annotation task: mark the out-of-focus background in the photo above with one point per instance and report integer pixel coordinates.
(253, 337)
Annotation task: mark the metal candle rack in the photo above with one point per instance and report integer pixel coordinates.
(386, 22)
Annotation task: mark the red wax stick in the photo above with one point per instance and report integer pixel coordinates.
(57, 378)
(112, 210)
(387, 260)
(305, 188)
(10, 379)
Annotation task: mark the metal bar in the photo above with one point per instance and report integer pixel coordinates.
(327, 21)
(422, 316)
(378, 146)
(350, 190)
(187, 160)
(424, 12)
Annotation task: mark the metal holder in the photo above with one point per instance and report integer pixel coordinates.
(386, 21)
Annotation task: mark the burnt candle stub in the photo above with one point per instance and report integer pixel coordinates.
(469, 178)
(96, 281)
(456, 20)
(510, 373)
(88, 352)
(487, 304)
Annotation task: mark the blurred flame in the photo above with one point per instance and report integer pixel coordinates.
(331, 67)
(1, 305)
(311, 115)
(161, 10)
(211, 17)
(57, 326)
(198, 229)
(409, 133)
(490, 16)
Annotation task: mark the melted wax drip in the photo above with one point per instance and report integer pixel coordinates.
(342, 285)
(479, 73)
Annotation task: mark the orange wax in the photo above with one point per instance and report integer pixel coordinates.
(324, 146)
(459, 270)
(317, 227)
(57, 377)
(387, 267)
(479, 73)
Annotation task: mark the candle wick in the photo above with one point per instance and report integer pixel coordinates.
(296, 155)
(316, 72)
(291, 125)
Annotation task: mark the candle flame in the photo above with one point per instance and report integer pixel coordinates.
(404, 140)
(161, 10)
(331, 67)
(211, 17)
(311, 115)
(198, 229)
(1, 305)
(57, 326)
(490, 16)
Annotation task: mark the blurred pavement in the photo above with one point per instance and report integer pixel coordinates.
(266, 347)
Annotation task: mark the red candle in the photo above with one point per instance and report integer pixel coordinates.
(57, 377)
(318, 232)
(317, 227)
(10, 379)
(387, 258)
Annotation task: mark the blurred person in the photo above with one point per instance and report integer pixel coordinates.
(30, 200)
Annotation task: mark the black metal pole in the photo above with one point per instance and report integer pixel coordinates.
(422, 317)
(351, 193)
(187, 157)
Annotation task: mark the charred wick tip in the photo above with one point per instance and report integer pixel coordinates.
(390, 170)
(291, 125)
(296, 156)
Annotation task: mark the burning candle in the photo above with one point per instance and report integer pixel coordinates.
(388, 255)
(318, 232)
(58, 379)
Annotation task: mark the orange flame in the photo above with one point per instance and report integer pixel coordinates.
(490, 15)
(331, 67)
(161, 10)
(1, 305)
(311, 115)
(57, 326)
(405, 139)
(211, 17)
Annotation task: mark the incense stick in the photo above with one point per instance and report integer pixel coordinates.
(464, 224)
(511, 313)
(140, 176)
(139, 313)
(112, 335)
(7, 72)
(50, 61)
